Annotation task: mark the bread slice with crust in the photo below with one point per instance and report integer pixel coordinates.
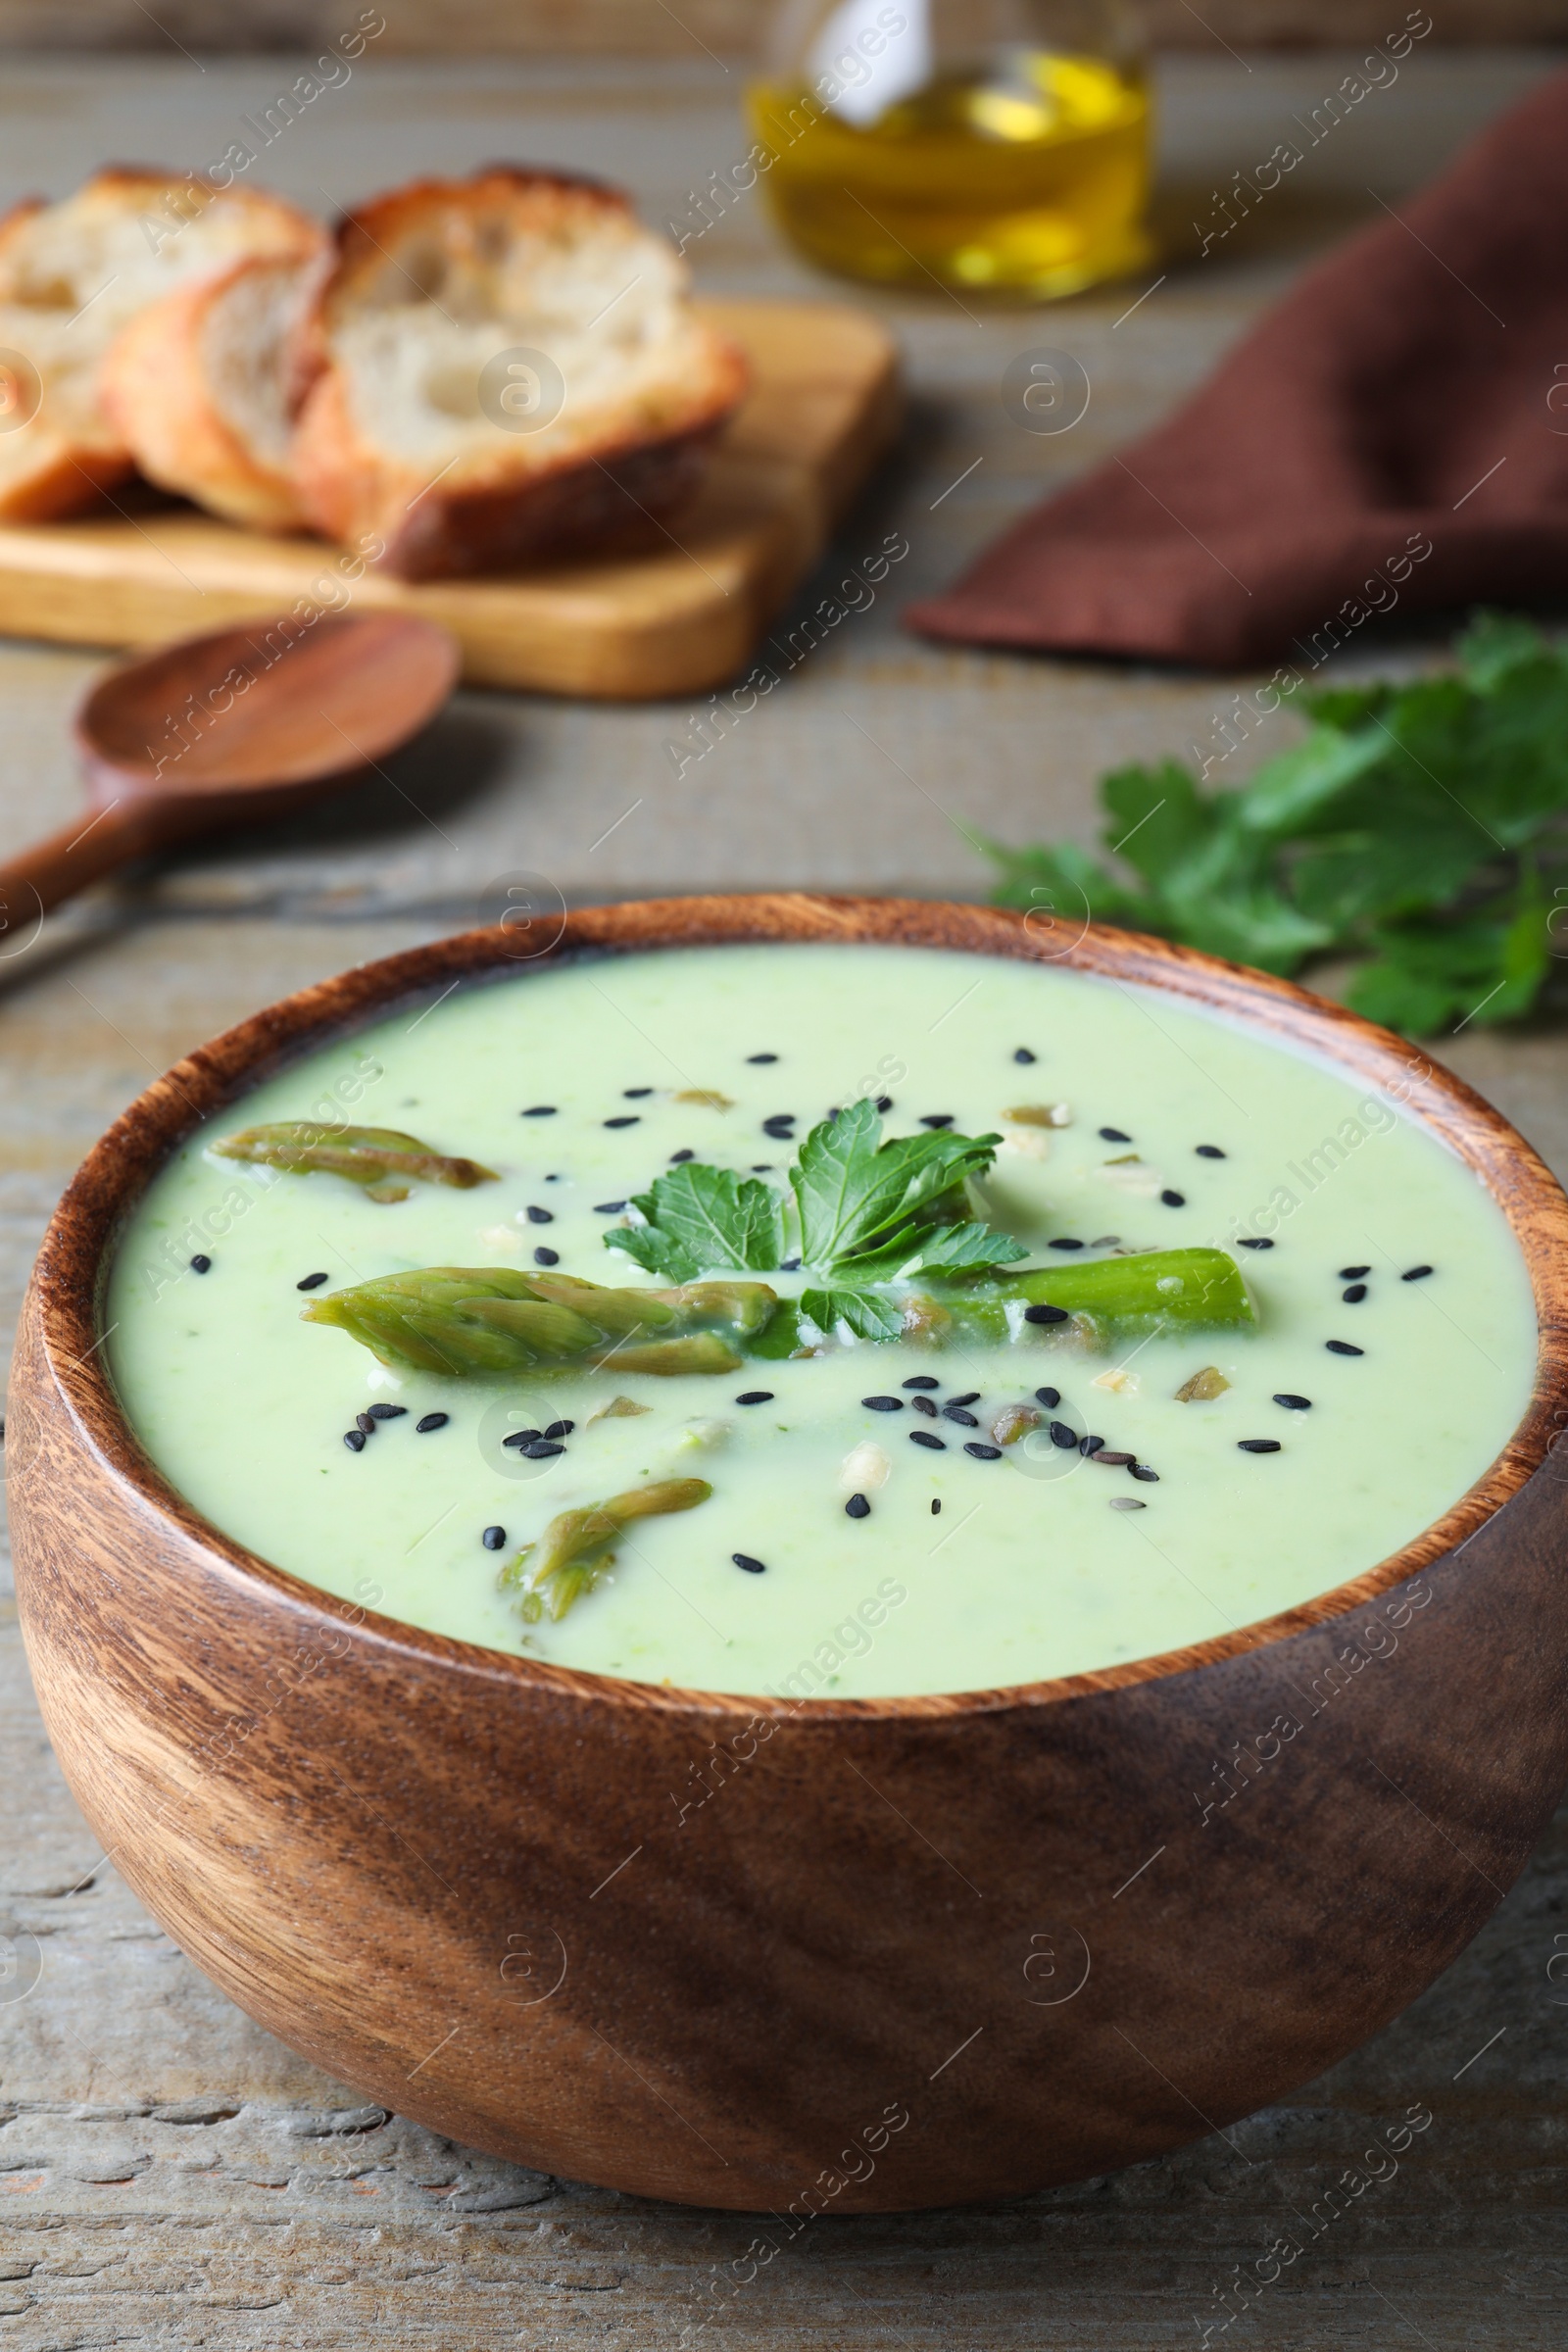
(434, 429)
(204, 386)
(73, 276)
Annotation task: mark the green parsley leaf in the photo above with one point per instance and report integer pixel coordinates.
(858, 1197)
(1415, 828)
(866, 1314)
(934, 1249)
(704, 1220)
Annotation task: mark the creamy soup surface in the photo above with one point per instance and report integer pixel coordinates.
(845, 1549)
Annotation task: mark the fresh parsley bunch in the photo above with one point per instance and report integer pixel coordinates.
(870, 1213)
(1419, 828)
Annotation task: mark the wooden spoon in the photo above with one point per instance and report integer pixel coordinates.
(249, 723)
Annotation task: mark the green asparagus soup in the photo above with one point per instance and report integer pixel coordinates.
(825, 1321)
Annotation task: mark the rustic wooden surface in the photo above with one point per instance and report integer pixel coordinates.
(638, 28)
(170, 2176)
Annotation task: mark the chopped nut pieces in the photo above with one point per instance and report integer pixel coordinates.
(1211, 1382)
(1014, 1421)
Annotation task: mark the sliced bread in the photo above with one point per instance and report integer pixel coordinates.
(73, 276)
(431, 429)
(204, 386)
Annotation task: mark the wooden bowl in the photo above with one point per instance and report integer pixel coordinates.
(910, 1950)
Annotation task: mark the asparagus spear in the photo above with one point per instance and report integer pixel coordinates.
(1168, 1285)
(1195, 1286)
(561, 1565)
(384, 1160)
(488, 1320)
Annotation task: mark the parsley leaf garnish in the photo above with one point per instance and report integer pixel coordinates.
(1419, 829)
(704, 1220)
(871, 1214)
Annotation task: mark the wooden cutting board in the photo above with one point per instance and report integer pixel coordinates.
(824, 406)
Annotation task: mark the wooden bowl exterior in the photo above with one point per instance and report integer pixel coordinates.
(854, 1956)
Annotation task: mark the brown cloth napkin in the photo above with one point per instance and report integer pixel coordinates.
(1410, 393)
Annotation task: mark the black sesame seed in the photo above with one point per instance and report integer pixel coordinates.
(541, 1450)
(884, 1101)
(1294, 1405)
(626, 1118)
(1173, 1199)
(1064, 1241)
(782, 1127)
(540, 1110)
(858, 1508)
(1065, 1438)
(970, 1396)
(925, 1437)
(493, 1537)
(559, 1429)
(432, 1421)
(546, 1258)
(1208, 1151)
(1044, 1314)
(922, 1379)
(1415, 1274)
(1253, 1244)
(936, 1120)
(1023, 1055)
(923, 1404)
(387, 1412)
(364, 1422)
(354, 1440)
(678, 1159)
(1114, 1135)
(744, 1560)
(1048, 1397)
(523, 1437)
(1258, 1444)
(1109, 1459)
(1343, 1347)
(762, 1167)
(754, 1397)
(1090, 1445)
(1355, 1295)
(201, 1263)
(313, 1282)
(883, 1404)
(1353, 1273)
(789, 1265)
(552, 1180)
(609, 1208)
(761, 1057)
(956, 1413)
(936, 1506)
(983, 1454)
(635, 1094)
(1150, 1478)
(541, 1216)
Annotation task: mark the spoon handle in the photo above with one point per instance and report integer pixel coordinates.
(56, 868)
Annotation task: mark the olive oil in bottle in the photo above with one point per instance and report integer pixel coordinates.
(1021, 171)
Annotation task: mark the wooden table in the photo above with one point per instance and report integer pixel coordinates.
(168, 2174)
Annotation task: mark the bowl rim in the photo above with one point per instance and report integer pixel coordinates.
(91, 1216)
